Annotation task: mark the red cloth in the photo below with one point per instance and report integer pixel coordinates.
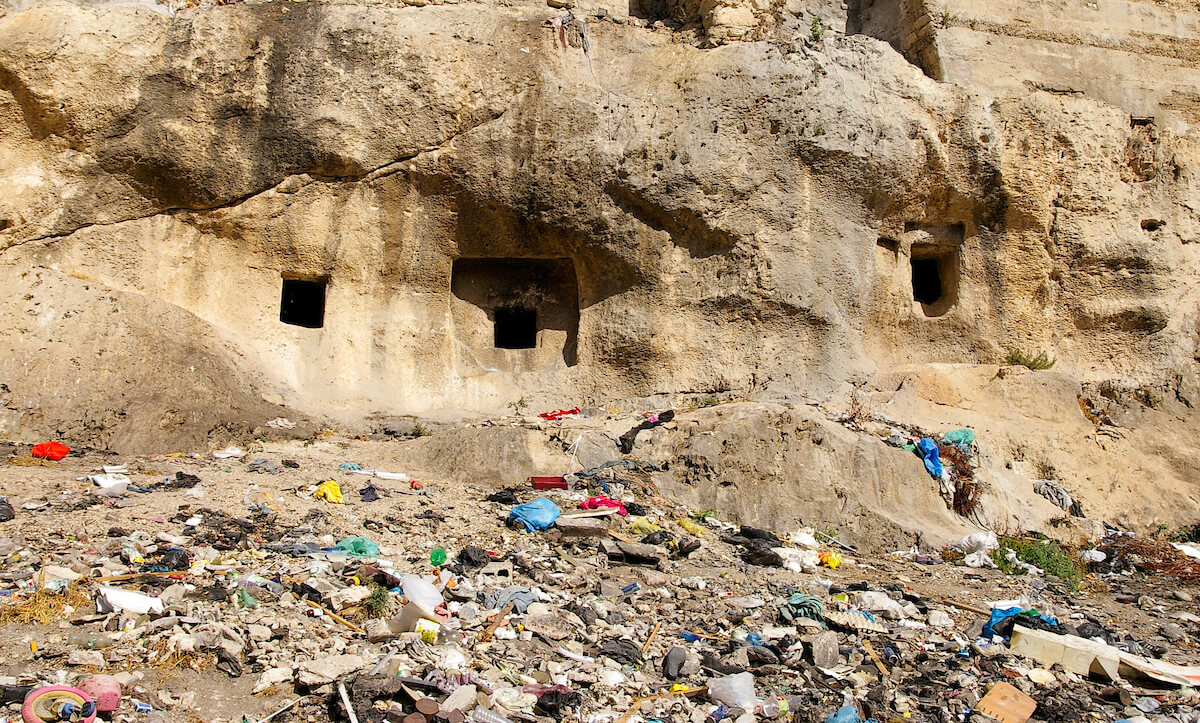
(51, 450)
(595, 503)
(559, 413)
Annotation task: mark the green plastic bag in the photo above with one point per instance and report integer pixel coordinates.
(358, 547)
(965, 437)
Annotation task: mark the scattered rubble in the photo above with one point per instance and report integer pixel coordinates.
(442, 601)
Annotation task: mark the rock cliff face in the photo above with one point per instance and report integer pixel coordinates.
(374, 208)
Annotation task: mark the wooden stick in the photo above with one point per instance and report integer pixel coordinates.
(132, 575)
(335, 616)
(637, 702)
(289, 705)
(969, 608)
(875, 657)
(491, 629)
(346, 702)
(650, 638)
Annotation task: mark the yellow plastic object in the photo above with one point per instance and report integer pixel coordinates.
(330, 492)
(830, 559)
(692, 527)
(643, 526)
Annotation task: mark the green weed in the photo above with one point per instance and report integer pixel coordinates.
(817, 31)
(1052, 557)
(1041, 362)
(377, 603)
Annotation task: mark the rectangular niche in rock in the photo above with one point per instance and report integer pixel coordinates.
(303, 302)
(514, 314)
(934, 259)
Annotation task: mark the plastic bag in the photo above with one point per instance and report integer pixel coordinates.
(358, 547)
(53, 451)
(736, 691)
(643, 526)
(965, 437)
(977, 542)
(539, 514)
(928, 451)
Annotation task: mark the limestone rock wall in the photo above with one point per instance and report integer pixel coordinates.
(680, 213)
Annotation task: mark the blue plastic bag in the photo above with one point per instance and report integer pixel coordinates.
(537, 515)
(928, 450)
(845, 714)
(999, 614)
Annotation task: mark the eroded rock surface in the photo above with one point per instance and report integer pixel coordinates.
(457, 206)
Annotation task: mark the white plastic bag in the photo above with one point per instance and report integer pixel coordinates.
(733, 690)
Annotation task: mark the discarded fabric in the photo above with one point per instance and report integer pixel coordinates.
(330, 492)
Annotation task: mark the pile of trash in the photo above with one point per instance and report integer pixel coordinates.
(362, 594)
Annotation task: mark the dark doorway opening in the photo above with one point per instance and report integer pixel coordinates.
(515, 328)
(303, 303)
(926, 281)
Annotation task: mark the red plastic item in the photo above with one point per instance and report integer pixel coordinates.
(105, 690)
(47, 704)
(559, 413)
(549, 483)
(53, 451)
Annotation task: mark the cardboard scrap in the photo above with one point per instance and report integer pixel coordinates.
(1007, 704)
(1084, 657)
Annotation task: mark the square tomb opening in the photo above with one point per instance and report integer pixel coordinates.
(515, 314)
(302, 302)
(515, 327)
(934, 278)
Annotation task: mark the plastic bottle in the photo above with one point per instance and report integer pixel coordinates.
(437, 556)
(775, 707)
(483, 715)
(92, 640)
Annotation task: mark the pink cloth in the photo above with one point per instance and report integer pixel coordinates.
(595, 503)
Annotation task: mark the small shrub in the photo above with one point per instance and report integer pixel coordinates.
(377, 603)
(819, 131)
(859, 411)
(1189, 533)
(519, 406)
(817, 31)
(1038, 363)
(1148, 397)
(1052, 557)
(420, 430)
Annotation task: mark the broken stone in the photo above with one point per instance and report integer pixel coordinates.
(327, 670)
(272, 678)
(582, 526)
(89, 658)
(821, 649)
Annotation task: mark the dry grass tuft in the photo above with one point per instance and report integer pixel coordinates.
(169, 662)
(31, 462)
(45, 606)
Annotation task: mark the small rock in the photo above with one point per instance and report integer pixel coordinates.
(91, 658)
(327, 670)
(272, 678)
(582, 526)
(1183, 596)
(1173, 632)
(822, 649)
